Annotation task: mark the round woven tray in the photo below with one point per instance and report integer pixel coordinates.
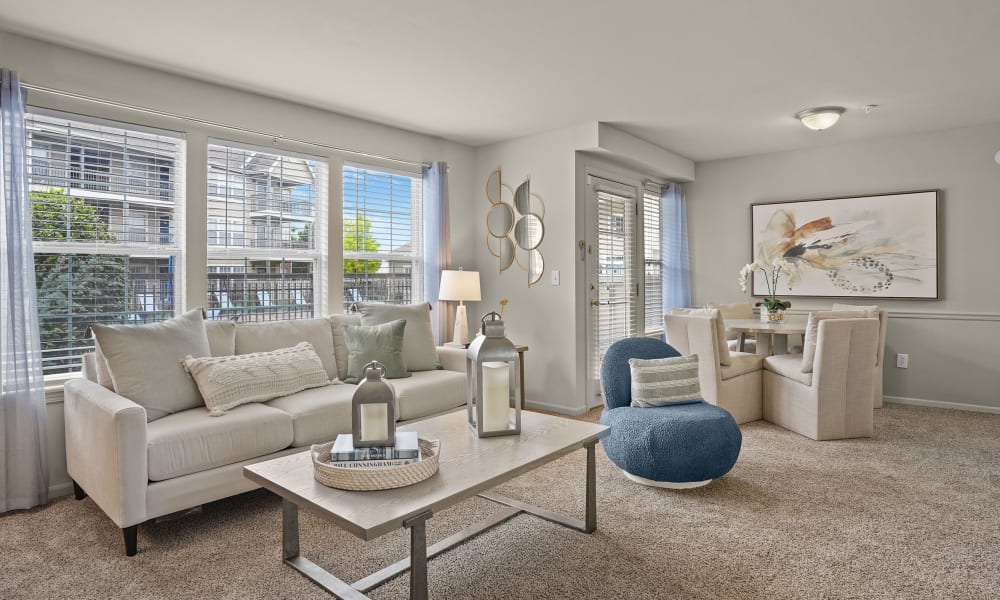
(374, 478)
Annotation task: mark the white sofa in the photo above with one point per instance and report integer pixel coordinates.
(136, 470)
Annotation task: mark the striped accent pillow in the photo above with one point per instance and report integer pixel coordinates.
(664, 381)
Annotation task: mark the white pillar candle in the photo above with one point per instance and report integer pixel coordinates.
(374, 422)
(496, 396)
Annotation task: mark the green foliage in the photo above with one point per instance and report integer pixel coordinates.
(74, 290)
(358, 238)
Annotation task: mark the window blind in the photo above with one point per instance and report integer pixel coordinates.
(383, 236)
(266, 232)
(652, 262)
(107, 207)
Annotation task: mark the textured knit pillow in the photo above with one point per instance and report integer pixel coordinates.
(720, 329)
(812, 330)
(383, 343)
(226, 382)
(418, 341)
(145, 361)
(663, 381)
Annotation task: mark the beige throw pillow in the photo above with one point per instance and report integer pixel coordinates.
(340, 349)
(275, 335)
(221, 337)
(720, 329)
(229, 381)
(145, 361)
(419, 352)
(812, 330)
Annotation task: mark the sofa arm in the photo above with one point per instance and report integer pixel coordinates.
(106, 449)
(452, 359)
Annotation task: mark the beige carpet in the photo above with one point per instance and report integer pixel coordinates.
(911, 513)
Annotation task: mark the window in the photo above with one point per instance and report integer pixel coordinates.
(383, 245)
(652, 261)
(106, 200)
(266, 233)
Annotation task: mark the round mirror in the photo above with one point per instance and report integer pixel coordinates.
(529, 231)
(506, 253)
(537, 206)
(500, 220)
(522, 197)
(493, 187)
(536, 266)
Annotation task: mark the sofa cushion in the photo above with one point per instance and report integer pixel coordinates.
(790, 366)
(382, 343)
(318, 415)
(418, 340)
(337, 323)
(264, 337)
(812, 332)
(221, 337)
(191, 441)
(428, 392)
(145, 361)
(226, 382)
(741, 363)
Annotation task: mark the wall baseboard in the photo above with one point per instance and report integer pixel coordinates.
(941, 404)
(556, 408)
(58, 490)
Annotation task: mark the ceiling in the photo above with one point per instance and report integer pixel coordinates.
(706, 79)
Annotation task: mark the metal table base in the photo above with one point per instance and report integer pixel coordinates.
(416, 564)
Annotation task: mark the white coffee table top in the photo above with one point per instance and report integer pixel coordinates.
(468, 466)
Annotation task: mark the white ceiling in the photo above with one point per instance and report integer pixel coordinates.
(704, 78)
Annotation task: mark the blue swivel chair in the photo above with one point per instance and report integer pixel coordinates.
(677, 446)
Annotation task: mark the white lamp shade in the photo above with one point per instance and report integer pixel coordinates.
(460, 285)
(821, 118)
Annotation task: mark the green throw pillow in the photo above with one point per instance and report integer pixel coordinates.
(383, 343)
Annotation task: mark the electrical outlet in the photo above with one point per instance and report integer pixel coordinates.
(902, 361)
(555, 277)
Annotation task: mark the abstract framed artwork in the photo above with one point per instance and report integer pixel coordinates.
(876, 246)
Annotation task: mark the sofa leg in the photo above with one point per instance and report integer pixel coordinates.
(78, 492)
(131, 537)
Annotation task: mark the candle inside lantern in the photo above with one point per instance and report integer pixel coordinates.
(374, 422)
(496, 396)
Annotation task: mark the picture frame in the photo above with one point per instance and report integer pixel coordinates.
(874, 246)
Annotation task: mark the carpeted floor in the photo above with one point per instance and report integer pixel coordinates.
(911, 513)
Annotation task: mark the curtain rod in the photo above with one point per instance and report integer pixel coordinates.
(163, 113)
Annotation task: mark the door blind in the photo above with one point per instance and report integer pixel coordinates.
(616, 280)
(652, 262)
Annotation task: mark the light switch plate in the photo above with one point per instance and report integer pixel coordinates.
(555, 277)
(902, 361)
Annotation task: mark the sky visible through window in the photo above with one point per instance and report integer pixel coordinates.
(385, 201)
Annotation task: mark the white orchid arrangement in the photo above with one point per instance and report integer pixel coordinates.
(772, 271)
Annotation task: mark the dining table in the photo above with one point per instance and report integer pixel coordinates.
(771, 336)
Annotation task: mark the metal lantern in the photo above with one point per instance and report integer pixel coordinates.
(373, 409)
(493, 372)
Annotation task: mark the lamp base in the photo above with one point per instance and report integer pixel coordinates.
(460, 336)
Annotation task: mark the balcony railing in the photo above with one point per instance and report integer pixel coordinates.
(260, 296)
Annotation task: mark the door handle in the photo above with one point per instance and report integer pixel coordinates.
(595, 303)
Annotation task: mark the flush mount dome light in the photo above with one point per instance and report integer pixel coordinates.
(820, 118)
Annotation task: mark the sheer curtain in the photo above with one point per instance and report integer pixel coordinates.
(676, 269)
(24, 471)
(437, 246)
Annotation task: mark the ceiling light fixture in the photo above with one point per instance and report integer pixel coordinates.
(820, 118)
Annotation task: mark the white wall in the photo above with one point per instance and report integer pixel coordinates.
(49, 65)
(952, 342)
(551, 320)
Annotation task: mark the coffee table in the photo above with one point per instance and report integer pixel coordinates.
(469, 466)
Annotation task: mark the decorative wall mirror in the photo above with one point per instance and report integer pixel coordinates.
(520, 219)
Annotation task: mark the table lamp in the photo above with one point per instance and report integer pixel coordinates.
(461, 286)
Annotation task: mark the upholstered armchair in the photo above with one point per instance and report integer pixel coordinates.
(737, 310)
(883, 326)
(830, 397)
(728, 379)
